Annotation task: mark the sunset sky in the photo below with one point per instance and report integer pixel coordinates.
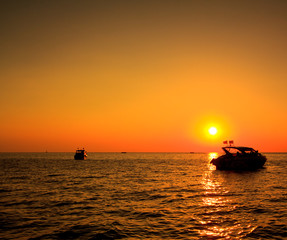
(143, 75)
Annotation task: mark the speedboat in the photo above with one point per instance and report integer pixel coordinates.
(239, 158)
(80, 154)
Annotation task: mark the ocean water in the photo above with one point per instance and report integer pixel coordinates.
(139, 196)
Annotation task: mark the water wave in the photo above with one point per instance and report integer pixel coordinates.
(139, 196)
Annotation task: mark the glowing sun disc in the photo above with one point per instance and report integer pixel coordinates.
(212, 130)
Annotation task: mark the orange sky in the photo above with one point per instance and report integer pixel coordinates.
(142, 75)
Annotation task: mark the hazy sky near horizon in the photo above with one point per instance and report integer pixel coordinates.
(142, 75)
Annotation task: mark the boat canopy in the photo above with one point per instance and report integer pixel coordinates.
(232, 149)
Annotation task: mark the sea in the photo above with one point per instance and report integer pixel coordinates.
(139, 196)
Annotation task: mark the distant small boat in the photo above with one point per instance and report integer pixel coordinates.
(80, 154)
(239, 158)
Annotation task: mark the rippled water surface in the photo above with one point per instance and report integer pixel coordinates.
(139, 196)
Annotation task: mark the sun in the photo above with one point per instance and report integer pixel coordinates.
(212, 130)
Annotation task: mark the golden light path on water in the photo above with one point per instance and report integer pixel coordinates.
(216, 200)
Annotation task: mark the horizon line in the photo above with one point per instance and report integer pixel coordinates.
(123, 152)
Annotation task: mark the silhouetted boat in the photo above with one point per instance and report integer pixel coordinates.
(239, 158)
(80, 154)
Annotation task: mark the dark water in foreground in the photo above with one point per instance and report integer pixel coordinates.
(139, 196)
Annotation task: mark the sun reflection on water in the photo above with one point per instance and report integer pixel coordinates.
(216, 205)
(212, 155)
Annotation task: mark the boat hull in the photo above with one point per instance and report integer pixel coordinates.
(80, 157)
(240, 163)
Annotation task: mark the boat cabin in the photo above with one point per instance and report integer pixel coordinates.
(239, 150)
